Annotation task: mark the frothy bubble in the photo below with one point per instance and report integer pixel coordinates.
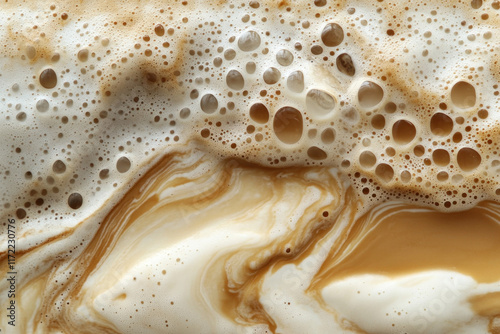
(123, 165)
(75, 201)
(259, 113)
(284, 57)
(42, 105)
(468, 159)
(235, 80)
(59, 167)
(319, 103)
(159, 30)
(316, 153)
(463, 95)
(384, 172)
(345, 64)
(367, 159)
(403, 131)
(288, 125)
(48, 78)
(271, 76)
(209, 103)
(249, 41)
(328, 136)
(441, 157)
(295, 81)
(332, 35)
(441, 124)
(83, 55)
(370, 94)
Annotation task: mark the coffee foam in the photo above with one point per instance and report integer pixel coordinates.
(393, 101)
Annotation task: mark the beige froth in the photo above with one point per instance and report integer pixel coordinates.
(226, 167)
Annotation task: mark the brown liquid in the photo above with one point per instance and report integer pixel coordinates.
(396, 240)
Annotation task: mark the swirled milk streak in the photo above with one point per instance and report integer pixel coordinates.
(251, 167)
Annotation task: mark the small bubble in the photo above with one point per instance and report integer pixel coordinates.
(123, 165)
(442, 176)
(75, 201)
(390, 107)
(250, 67)
(332, 34)
(316, 153)
(345, 64)
(209, 103)
(205, 133)
(295, 82)
(103, 174)
(463, 95)
(20, 213)
(42, 105)
(58, 167)
(457, 137)
(328, 136)
(31, 52)
(217, 62)
(229, 54)
(367, 159)
(259, 113)
(345, 164)
(83, 55)
(184, 113)
(48, 78)
(441, 124)
(234, 80)
(288, 125)
(284, 57)
(403, 131)
(378, 122)
(316, 50)
(271, 76)
(159, 30)
(249, 41)
(482, 113)
(319, 103)
(384, 172)
(441, 157)
(476, 4)
(21, 117)
(468, 159)
(419, 150)
(370, 94)
(405, 176)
